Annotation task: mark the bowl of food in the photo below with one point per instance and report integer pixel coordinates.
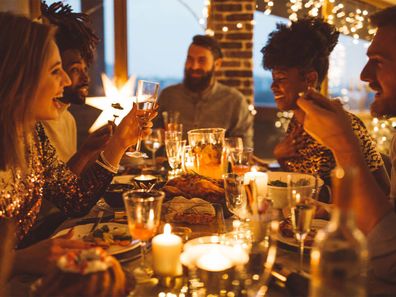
(301, 182)
(113, 194)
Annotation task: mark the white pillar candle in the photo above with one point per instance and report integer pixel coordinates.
(166, 249)
(261, 179)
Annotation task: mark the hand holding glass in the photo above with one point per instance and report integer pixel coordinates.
(146, 98)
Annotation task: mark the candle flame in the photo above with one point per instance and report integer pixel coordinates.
(298, 198)
(167, 229)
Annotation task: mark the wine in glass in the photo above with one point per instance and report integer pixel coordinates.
(143, 209)
(302, 213)
(241, 160)
(153, 142)
(146, 98)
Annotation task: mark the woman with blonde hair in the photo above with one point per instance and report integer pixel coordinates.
(31, 81)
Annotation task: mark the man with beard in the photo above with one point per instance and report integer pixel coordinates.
(76, 42)
(326, 121)
(202, 101)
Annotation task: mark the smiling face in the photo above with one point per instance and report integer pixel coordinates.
(199, 68)
(380, 71)
(77, 70)
(286, 84)
(50, 88)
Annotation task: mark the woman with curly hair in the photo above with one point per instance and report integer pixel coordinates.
(298, 57)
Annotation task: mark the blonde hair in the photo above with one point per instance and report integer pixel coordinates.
(24, 47)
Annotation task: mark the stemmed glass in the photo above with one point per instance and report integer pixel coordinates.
(302, 209)
(153, 142)
(146, 98)
(143, 209)
(174, 151)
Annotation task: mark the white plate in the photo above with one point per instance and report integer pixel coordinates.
(80, 231)
(291, 241)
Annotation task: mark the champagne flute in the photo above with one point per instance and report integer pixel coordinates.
(241, 160)
(146, 98)
(153, 142)
(302, 211)
(143, 208)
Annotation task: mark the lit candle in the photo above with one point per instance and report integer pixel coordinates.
(214, 260)
(261, 179)
(145, 178)
(166, 253)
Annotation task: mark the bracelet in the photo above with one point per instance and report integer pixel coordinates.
(106, 167)
(102, 161)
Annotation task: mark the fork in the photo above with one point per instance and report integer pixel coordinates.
(98, 220)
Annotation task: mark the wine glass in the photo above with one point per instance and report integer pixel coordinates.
(153, 142)
(146, 98)
(143, 208)
(174, 151)
(302, 210)
(241, 160)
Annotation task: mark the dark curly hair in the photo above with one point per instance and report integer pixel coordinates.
(74, 31)
(305, 44)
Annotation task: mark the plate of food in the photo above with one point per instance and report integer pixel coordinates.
(113, 237)
(196, 213)
(286, 234)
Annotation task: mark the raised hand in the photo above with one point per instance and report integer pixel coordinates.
(327, 122)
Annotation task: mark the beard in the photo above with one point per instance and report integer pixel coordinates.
(383, 108)
(73, 95)
(196, 84)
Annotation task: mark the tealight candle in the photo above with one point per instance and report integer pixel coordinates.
(145, 178)
(166, 249)
(214, 261)
(261, 179)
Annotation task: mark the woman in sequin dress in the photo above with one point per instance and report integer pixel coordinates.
(31, 80)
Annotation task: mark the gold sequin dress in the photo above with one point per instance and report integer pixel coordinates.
(21, 194)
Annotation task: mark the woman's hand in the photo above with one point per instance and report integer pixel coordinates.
(127, 134)
(41, 257)
(132, 127)
(289, 146)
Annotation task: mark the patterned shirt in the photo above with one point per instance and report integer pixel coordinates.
(21, 195)
(316, 158)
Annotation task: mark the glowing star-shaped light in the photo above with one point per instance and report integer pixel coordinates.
(116, 103)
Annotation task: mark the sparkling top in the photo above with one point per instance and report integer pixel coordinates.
(47, 176)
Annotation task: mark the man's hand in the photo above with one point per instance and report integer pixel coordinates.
(97, 140)
(327, 121)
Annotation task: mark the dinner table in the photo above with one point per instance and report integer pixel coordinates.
(287, 261)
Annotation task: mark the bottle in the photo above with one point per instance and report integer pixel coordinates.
(339, 254)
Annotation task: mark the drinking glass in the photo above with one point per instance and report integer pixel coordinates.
(232, 143)
(153, 142)
(170, 117)
(174, 151)
(146, 98)
(302, 210)
(241, 160)
(143, 209)
(236, 199)
(188, 160)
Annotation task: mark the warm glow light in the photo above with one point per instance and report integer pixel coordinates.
(167, 229)
(121, 98)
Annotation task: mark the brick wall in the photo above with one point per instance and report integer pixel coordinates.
(232, 24)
